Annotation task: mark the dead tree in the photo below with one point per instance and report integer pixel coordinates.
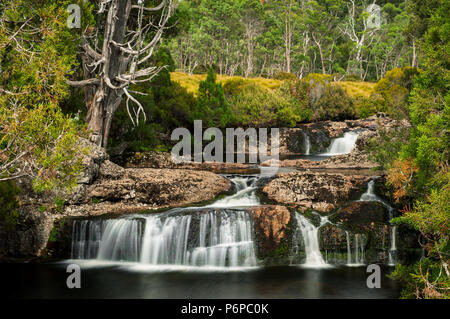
(129, 37)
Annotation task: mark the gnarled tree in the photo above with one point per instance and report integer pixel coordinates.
(128, 36)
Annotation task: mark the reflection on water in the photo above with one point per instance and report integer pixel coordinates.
(123, 281)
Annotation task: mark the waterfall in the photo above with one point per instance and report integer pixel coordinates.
(224, 239)
(370, 196)
(393, 250)
(206, 236)
(307, 143)
(342, 145)
(349, 251)
(309, 234)
(244, 197)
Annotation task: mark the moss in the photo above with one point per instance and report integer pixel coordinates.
(54, 233)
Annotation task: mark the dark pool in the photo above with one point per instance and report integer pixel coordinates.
(132, 281)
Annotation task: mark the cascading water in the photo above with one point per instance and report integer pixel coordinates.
(307, 144)
(370, 196)
(358, 252)
(245, 195)
(342, 145)
(206, 236)
(309, 235)
(224, 239)
(393, 250)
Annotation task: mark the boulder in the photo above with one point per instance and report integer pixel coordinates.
(322, 192)
(271, 226)
(91, 161)
(164, 160)
(158, 187)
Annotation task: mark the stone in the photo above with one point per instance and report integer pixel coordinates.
(159, 187)
(271, 223)
(91, 162)
(322, 192)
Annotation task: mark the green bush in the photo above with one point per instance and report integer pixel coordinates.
(212, 107)
(167, 105)
(394, 88)
(323, 100)
(256, 106)
(366, 107)
(284, 76)
(9, 204)
(423, 280)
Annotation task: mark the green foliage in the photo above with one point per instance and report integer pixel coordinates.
(420, 174)
(385, 148)
(167, 105)
(212, 107)
(254, 106)
(423, 280)
(323, 100)
(9, 204)
(394, 89)
(366, 107)
(36, 138)
(284, 76)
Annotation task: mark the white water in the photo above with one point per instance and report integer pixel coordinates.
(393, 251)
(307, 144)
(358, 251)
(370, 196)
(194, 237)
(310, 237)
(342, 145)
(244, 197)
(224, 239)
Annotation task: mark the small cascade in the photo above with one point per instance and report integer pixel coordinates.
(393, 250)
(224, 239)
(307, 143)
(342, 145)
(309, 234)
(244, 197)
(370, 196)
(349, 250)
(358, 251)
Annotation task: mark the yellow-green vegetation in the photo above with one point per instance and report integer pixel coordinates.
(192, 82)
(357, 89)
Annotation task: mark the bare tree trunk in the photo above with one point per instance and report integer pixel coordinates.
(109, 73)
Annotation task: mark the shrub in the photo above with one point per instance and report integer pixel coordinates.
(212, 106)
(322, 99)
(284, 76)
(256, 106)
(9, 204)
(394, 88)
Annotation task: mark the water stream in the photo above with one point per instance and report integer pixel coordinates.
(217, 235)
(370, 196)
(342, 145)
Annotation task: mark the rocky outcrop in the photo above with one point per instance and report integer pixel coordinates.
(104, 188)
(158, 187)
(92, 161)
(361, 214)
(164, 160)
(271, 227)
(322, 192)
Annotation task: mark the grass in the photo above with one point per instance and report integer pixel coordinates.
(192, 82)
(355, 89)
